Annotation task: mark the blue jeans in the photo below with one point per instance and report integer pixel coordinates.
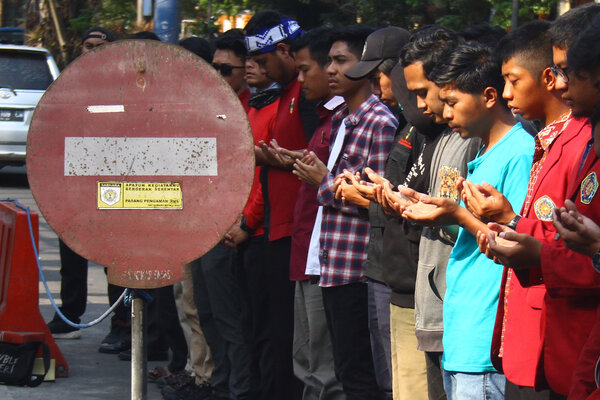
(474, 386)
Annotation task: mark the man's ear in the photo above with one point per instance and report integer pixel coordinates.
(548, 79)
(490, 95)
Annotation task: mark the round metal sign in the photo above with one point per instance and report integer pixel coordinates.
(140, 157)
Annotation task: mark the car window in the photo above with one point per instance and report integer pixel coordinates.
(24, 70)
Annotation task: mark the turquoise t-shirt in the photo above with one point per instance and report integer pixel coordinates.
(473, 280)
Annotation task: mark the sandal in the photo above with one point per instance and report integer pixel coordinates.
(157, 373)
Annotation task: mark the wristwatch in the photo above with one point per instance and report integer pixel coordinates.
(596, 260)
(513, 222)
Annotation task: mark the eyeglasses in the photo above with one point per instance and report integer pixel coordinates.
(226, 69)
(562, 73)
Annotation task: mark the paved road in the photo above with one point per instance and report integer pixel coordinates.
(93, 376)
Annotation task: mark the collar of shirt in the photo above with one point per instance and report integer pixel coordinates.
(326, 109)
(546, 136)
(355, 117)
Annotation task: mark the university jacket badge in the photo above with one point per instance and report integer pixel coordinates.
(589, 186)
(543, 208)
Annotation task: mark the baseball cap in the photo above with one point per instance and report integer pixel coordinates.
(380, 45)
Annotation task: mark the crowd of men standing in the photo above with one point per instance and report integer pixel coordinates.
(422, 222)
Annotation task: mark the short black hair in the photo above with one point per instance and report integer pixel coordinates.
(584, 53)
(354, 36)
(262, 20)
(318, 42)
(483, 33)
(531, 43)
(198, 46)
(565, 29)
(471, 68)
(429, 45)
(233, 40)
(110, 36)
(388, 65)
(145, 35)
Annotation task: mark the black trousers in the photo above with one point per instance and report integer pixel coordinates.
(281, 319)
(516, 392)
(250, 265)
(73, 288)
(221, 310)
(346, 309)
(73, 283)
(435, 380)
(163, 313)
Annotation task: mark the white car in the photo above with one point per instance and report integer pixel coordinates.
(25, 74)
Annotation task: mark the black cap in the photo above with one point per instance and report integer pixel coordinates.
(380, 45)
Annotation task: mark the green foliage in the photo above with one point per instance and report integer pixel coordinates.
(529, 10)
(116, 15)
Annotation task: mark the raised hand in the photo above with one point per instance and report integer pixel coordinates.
(486, 203)
(310, 169)
(512, 249)
(578, 232)
(429, 210)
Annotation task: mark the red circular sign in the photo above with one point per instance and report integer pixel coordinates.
(140, 157)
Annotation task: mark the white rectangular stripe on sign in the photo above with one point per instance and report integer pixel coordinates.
(122, 156)
(106, 109)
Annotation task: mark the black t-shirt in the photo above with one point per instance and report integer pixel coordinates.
(401, 238)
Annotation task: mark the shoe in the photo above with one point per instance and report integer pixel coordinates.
(152, 355)
(114, 342)
(188, 392)
(114, 348)
(61, 330)
(175, 380)
(113, 336)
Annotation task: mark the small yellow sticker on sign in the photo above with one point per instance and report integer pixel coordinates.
(139, 195)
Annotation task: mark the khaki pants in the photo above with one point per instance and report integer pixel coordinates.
(199, 352)
(409, 373)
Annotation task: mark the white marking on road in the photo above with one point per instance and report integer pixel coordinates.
(122, 156)
(106, 109)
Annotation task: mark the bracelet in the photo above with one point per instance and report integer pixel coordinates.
(513, 222)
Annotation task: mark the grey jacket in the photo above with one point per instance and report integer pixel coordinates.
(449, 162)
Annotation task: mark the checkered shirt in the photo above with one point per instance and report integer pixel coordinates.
(370, 131)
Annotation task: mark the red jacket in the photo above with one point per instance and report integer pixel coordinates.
(525, 336)
(262, 122)
(586, 283)
(283, 185)
(573, 289)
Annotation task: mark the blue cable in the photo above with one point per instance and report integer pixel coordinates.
(145, 295)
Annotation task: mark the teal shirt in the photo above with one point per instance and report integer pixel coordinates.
(473, 280)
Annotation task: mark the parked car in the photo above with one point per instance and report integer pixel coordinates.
(25, 74)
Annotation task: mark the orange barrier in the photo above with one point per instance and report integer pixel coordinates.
(19, 280)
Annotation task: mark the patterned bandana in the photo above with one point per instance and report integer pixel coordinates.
(264, 98)
(266, 41)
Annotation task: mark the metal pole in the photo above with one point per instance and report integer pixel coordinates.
(140, 13)
(60, 30)
(138, 350)
(515, 15)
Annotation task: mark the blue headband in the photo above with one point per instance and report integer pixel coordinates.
(266, 40)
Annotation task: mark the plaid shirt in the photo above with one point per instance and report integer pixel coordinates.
(370, 131)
